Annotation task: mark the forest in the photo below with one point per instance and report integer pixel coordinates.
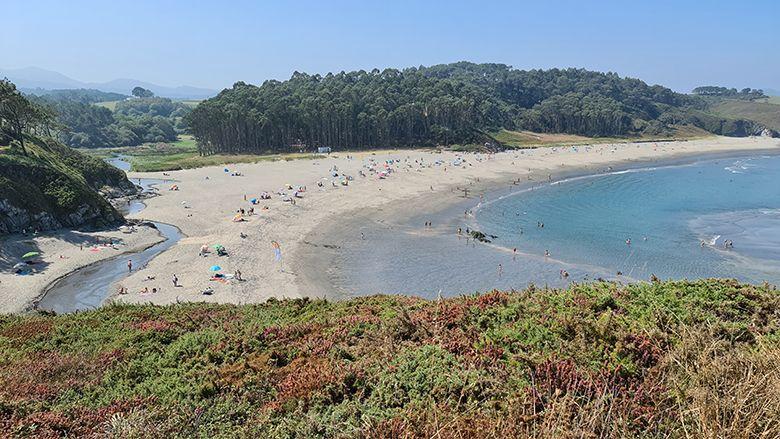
(733, 93)
(439, 105)
(82, 124)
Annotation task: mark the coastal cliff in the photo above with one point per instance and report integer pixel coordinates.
(53, 186)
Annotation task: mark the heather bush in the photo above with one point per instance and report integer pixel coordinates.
(655, 360)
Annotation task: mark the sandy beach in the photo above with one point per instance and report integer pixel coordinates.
(60, 254)
(207, 200)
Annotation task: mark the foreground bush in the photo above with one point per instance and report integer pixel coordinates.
(675, 359)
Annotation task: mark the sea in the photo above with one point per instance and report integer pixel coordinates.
(714, 217)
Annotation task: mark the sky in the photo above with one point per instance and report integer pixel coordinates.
(680, 44)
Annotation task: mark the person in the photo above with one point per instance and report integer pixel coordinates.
(547, 253)
(237, 274)
(129, 265)
(514, 253)
(500, 270)
(154, 290)
(175, 280)
(628, 241)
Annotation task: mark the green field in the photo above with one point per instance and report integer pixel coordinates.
(527, 139)
(772, 100)
(649, 360)
(183, 154)
(111, 105)
(765, 113)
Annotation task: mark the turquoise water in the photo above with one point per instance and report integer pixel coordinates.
(667, 212)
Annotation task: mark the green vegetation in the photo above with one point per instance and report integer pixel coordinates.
(772, 100)
(658, 360)
(83, 95)
(767, 113)
(731, 93)
(451, 104)
(83, 123)
(183, 154)
(53, 186)
(44, 184)
(529, 139)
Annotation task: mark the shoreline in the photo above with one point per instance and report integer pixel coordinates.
(22, 293)
(209, 197)
(323, 275)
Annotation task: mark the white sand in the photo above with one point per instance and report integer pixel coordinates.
(61, 253)
(213, 202)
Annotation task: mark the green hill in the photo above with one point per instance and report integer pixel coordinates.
(766, 113)
(54, 186)
(656, 360)
(447, 104)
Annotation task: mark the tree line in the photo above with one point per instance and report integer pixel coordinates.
(745, 93)
(82, 124)
(439, 105)
(20, 117)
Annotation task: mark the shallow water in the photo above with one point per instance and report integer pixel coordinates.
(88, 287)
(120, 161)
(666, 212)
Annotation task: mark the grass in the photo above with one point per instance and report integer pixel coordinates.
(55, 181)
(528, 139)
(183, 154)
(111, 105)
(765, 113)
(772, 100)
(655, 360)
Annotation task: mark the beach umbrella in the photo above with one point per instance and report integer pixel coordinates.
(30, 255)
(215, 268)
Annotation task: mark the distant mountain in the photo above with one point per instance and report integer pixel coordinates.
(29, 78)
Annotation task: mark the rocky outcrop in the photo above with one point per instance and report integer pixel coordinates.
(53, 187)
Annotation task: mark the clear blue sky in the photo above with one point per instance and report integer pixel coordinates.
(679, 44)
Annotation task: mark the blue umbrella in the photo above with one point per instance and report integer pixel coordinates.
(215, 268)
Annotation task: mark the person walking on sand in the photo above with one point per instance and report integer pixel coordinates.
(175, 280)
(129, 265)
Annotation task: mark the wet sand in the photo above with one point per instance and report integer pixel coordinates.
(208, 198)
(204, 207)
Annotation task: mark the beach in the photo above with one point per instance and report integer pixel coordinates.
(206, 202)
(61, 252)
